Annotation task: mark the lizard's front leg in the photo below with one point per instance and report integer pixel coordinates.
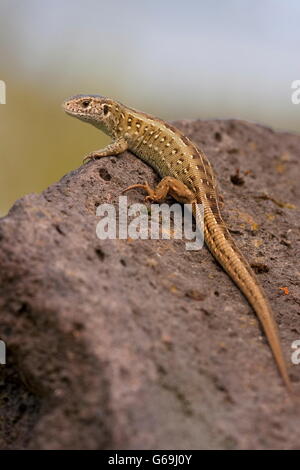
(167, 185)
(113, 149)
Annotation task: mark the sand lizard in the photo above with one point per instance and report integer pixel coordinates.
(187, 175)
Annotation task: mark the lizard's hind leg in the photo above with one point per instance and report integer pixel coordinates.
(167, 185)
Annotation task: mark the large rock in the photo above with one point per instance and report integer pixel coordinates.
(142, 344)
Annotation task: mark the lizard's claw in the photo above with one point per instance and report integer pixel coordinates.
(135, 186)
(88, 158)
(150, 192)
(145, 187)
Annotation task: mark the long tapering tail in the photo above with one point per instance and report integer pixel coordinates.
(224, 249)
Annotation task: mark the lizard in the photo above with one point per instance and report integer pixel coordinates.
(187, 175)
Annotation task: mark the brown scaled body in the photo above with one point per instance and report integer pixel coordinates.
(188, 176)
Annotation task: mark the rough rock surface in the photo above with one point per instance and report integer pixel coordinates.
(142, 344)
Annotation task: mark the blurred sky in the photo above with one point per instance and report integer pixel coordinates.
(175, 59)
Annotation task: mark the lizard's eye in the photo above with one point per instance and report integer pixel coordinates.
(105, 109)
(85, 103)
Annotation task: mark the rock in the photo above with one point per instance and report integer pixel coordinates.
(106, 345)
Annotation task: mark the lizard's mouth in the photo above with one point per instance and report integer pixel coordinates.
(76, 113)
(70, 111)
(66, 107)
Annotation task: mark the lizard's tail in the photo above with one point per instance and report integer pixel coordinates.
(224, 249)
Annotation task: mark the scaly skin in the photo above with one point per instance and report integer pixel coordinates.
(188, 177)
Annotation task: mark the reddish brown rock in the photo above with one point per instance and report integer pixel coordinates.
(142, 344)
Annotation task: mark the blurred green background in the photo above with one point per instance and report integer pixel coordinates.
(192, 59)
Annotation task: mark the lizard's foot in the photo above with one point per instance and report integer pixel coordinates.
(112, 150)
(167, 185)
(89, 157)
(145, 187)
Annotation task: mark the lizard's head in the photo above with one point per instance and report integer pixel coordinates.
(94, 109)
